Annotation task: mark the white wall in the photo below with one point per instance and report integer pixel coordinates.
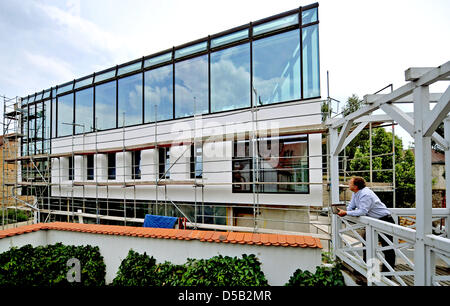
(217, 155)
(278, 263)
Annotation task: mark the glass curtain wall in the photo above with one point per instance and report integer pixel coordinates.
(311, 73)
(191, 87)
(158, 93)
(65, 115)
(84, 111)
(130, 100)
(105, 106)
(230, 78)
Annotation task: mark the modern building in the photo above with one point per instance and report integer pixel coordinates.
(224, 131)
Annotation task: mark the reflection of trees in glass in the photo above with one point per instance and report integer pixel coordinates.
(158, 90)
(191, 84)
(230, 78)
(105, 106)
(84, 109)
(276, 67)
(130, 100)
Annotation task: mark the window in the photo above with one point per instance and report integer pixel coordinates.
(242, 167)
(71, 168)
(164, 162)
(136, 164)
(53, 118)
(65, 115)
(158, 91)
(281, 159)
(90, 167)
(111, 166)
(130, 100)
(84, 110)
(191, 87)
(47, 122)
(230, 78)
(105, 106)
(311, 78)
(196, 161)
(277, 79)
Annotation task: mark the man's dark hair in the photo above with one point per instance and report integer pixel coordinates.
(359, 182)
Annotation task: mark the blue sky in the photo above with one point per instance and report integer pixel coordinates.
(365, 45)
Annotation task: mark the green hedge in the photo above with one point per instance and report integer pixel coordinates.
(47, 266)
(323, 277)
(142, 270)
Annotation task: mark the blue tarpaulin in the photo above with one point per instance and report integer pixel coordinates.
(159, 221)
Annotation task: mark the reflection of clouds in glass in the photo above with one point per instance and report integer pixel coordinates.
(130, 100)
(158, 91)
(84, 110)
(191, 80)
(276, 65)
(65, 115)
(105, 110)
(230, 79)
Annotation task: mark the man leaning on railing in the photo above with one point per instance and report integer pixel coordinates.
(365, 202)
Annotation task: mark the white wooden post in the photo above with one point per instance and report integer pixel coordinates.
(447, 171)
(422, 149)
(334, 190)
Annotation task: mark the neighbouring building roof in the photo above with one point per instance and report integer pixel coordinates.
(180, 234)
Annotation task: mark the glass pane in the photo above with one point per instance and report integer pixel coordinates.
(309, 16)
(130, 100)
(191, 49)
(158, 91)
(158, 59)
(65, 88)
(84, 110)
(47, 122)
(105, 106)
(84, 82)
(31, 99)
(230, 78)
(242, 167)
(229, 38)
(53, 117)
(311, 78)
(38, 96)
(105, 76)
(39, 127)
(65, 115)
(129, 68)
(276, 24)
(277, 79)
(191, 87)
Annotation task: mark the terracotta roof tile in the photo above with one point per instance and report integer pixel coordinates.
(176, 234)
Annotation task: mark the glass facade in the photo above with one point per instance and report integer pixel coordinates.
(84, 111)
(263, 63)
(191, 87)
(130, 100)
(158, 92)
(277, 79)
(105, 106)
(230, 78)
(65, 115)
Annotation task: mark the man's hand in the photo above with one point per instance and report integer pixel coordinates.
(341, 212)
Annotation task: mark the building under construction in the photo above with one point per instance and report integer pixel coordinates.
(224, 131)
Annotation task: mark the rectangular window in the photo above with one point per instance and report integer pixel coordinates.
(311, 73)
(164, 162)
(130, 100)
(90, 167)
(136, 165)
(196, 161)
(105, 106)
(281, 160)
(53, 118)
(230, 78)
(65, 115)
(84, 111)
(111, 166)
(158, 93)
(47, 123)
(71, 168)
(191, 87)
(278, 79)
(276, 24)
(242, 166)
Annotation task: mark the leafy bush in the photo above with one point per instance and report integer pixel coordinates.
(324, 277)
(140, 270)
(47, 266)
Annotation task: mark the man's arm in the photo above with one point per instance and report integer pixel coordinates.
(365, 202)
(352, 204)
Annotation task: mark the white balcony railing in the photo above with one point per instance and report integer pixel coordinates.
(365, 254)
